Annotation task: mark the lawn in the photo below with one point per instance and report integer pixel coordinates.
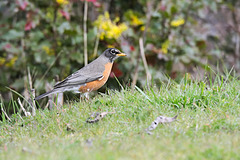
(207, 126)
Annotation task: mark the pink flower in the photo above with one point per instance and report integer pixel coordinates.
(163, 8)
(95, 3)
(29, 25)
(22, 4)
(7, 46)
(65, 14)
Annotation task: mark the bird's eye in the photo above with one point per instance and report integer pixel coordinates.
(113, 51)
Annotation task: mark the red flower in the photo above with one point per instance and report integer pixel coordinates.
(116, 71)
(132, 48)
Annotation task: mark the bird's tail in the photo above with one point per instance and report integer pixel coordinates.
(46, 94)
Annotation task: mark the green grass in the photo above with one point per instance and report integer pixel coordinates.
(208, 125)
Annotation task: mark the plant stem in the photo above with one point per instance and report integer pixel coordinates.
(96, 47)
(85, 32)
(149, 77)
(236, 24)
(135, 75)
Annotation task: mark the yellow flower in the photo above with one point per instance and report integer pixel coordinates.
(142, 28)
(49, 15)
(2, 61)
(109, 29)
(101, 35)
(59, 43)
(106, 15)
(165, 46)
(62, 2)
(133, 18)
(12, 61)
(117, 19)
(123, 27)
(110, 46)
(135, 21)
(48, 50)
(178, 22)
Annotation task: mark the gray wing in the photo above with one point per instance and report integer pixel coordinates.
(82, 76)
(82, 79)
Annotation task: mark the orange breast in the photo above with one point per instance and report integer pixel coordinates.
(95, 85)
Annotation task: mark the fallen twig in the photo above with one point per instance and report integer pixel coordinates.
(97, 116)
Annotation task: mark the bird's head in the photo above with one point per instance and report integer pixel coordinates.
(112, 54)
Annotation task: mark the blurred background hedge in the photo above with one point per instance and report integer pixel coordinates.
(45, 39)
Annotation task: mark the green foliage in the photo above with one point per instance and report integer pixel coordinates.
(47, 37)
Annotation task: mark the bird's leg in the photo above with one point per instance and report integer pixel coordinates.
(84, 96)
(81, 97)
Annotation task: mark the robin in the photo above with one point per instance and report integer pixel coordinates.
(89, 78)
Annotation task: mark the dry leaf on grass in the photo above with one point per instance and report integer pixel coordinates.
(160, 120)
(69, 128)
(97, 116)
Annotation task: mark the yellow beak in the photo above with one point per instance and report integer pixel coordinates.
(121, 54)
